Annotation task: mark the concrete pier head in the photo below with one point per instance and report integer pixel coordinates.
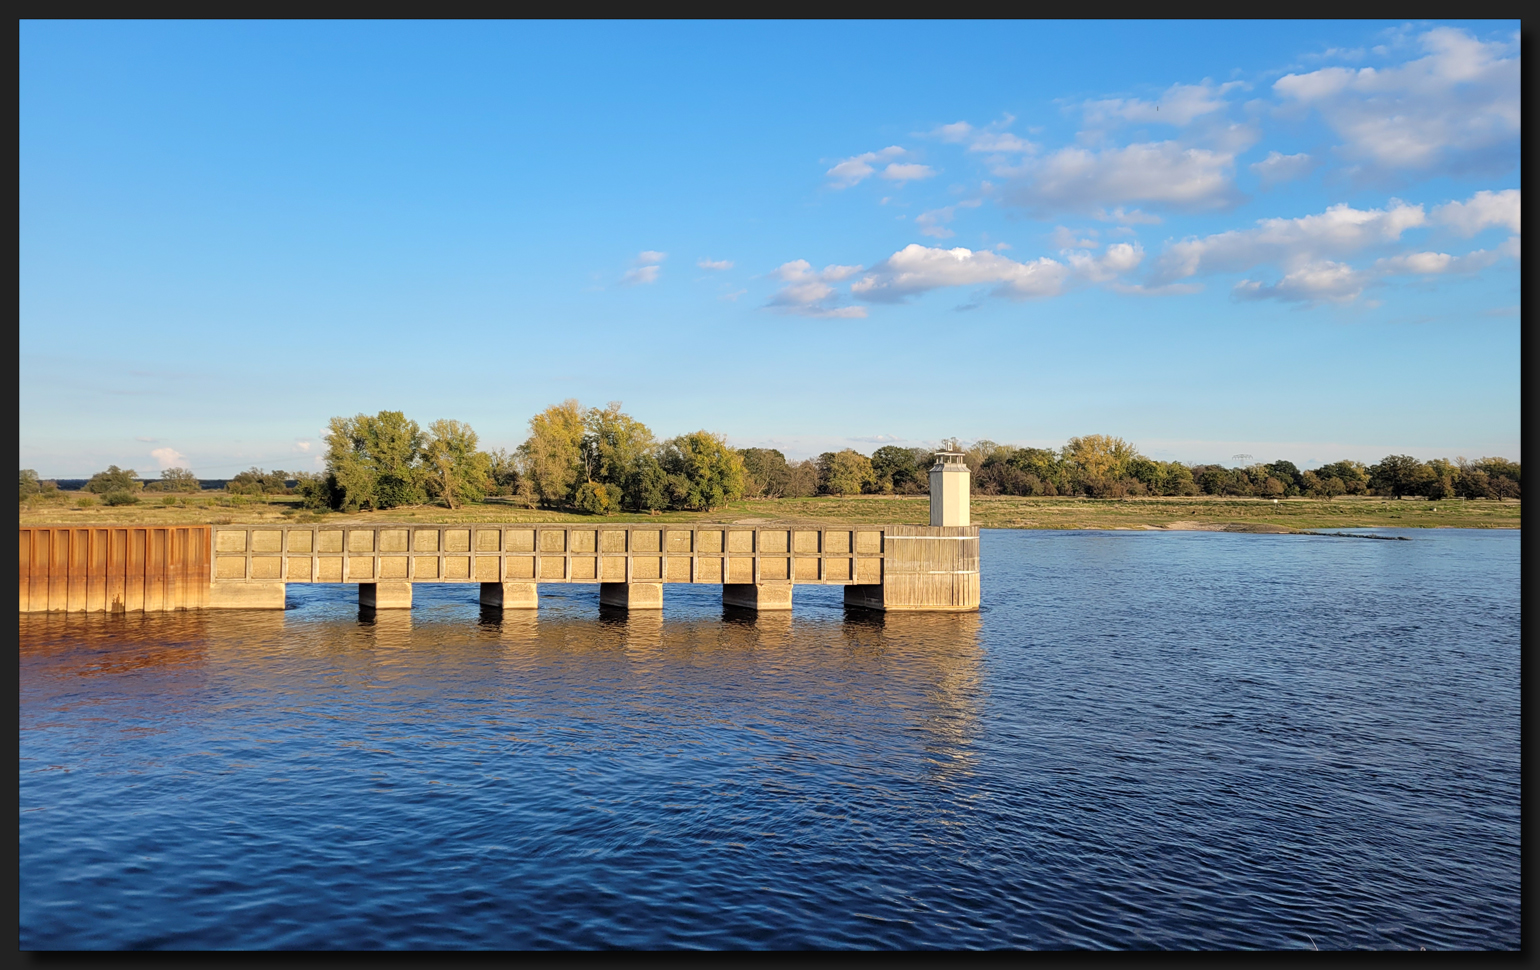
(510, 596)
(632, 596)
(385, 596)
(757, 596)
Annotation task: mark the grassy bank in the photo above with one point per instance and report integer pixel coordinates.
(992, 512)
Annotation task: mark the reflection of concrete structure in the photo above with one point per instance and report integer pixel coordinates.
(249, 566)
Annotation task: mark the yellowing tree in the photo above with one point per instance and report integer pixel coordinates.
(1100, 456)
(553, 454)
(456, 470)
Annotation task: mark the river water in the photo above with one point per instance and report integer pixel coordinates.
(1141, 740)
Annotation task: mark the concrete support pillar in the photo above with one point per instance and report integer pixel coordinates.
(385, 596)
(510, 596)
(246, 596)
(632, 596)
(868, 597)
(763, 596)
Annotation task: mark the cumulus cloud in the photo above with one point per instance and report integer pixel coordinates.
(917, 269)
(1119, 258)
(1434, 264)
(168, 457)
(1127, 217)
(1481, 211)
(1319, 282)
(1165, 173)
(647, 269)
(716, 264)
(932, 222)
(1179, 105)
(1066, 238)
(857, 168)
(1295, 243)
(648, 256)
(991, 138)
(1278, 167)
(1456, 109)
(807, 292)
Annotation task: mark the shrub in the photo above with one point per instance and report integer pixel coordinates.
(168, 500)
(85, 501)
(120, 498)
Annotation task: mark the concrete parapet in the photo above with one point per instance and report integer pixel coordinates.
(757, 596)
(385, 596)
(246, 596)
(632, 596)
(510, 596)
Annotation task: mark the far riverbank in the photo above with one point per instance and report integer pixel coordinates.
(988, 511)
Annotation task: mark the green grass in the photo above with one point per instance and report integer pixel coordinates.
(992, 512)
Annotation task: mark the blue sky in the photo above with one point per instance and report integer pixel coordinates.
(1290, 240)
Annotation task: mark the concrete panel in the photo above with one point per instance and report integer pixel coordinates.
(229, 567)
(708, 540)
(612, 569)
(708, 570)
(489, 540)
(426, 567)
(836, 541)
(740, 541)
(772, 568)
(458, 567)
(360, 540)
(510, 596)
(246, 596)
(329, 569)
(868, 543)
(425, 540)
(774, 541)
(226, 540)
(267, 540)
(678, 569)
(486, 568)
(520, 567)
(775, 596)
(299, 569)
(612, 540)
(385, 596)
(553, 540)
(677, 541)
(300, 540)
(553, 567)
(392, 540)
(393, 567)
(646, 540)
(520, 540)
(360, 568)
(646, 567)
(584, 540)
(805, 542)
(632, 596)
(457, 540)
(328, 540)
(837, 570)
(740, 571)
(806, 570)
(267, 567)
(585, 568)
(868, 570)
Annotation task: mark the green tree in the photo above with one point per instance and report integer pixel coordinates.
(29, 484)
(255, 481)
(647, 488)
(180, 480)
(844, 472)
(899, 470)
(596, 498)
(375, 461)
(456, 470)
(612, 444)
(114, 479)
(553, 454)
(1353, 476)
(764, 472)
(703, 472)
(1399, 475)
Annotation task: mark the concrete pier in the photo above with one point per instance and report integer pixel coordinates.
(632, 596)
(385, 596)
(752, 596)
(510, 596)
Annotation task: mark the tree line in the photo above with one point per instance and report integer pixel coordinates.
(602, 461)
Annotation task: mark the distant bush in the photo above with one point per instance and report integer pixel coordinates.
(120, 498)
(114, 479)
(85, 501)
(168, 500)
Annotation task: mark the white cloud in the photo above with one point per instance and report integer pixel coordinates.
(1127, 217)
(917, 269)
(1179, 105)
(1166, 173)
(302, 445)
(1119, 258)
(1434, 264)
(168, 457)
(733, 296)
(1295, 243)
(1003, 142)
(954, 133)
(1455, 109)
(640, 276)
(716, 264)
(932, 222)
(649, 256)
(856, 168)
(1278, 167)
(906, 172)
(1065, 238)
(807, 292)
(1481, 211)
(1323, 281)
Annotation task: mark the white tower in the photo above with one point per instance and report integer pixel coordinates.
(949, 489)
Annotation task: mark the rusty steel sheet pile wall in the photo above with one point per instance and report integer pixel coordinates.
(114, 569)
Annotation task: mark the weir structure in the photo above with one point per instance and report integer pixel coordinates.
(113, 568)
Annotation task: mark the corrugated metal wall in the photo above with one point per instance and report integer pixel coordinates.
(114, 569)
